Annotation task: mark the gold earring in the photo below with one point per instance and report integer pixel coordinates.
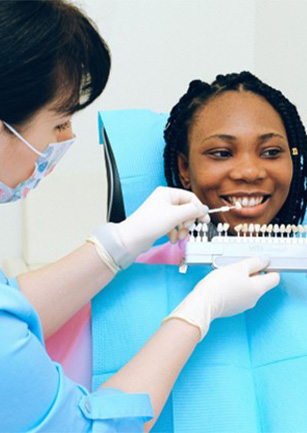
(294, 151)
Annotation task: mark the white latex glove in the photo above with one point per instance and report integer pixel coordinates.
(166, 211)
(225, 292)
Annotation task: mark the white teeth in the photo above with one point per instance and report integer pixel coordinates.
(246, 201)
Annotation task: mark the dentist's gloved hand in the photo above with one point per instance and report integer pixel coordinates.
(225, 292)
(166, 211)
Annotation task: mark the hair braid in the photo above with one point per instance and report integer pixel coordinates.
(175, 132)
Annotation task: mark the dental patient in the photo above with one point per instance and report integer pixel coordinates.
(240, 140)
(237, 140)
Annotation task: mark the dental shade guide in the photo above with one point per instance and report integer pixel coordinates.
(285, 246)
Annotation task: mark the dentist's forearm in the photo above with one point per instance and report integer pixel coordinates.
(155, 368)
(61, 289)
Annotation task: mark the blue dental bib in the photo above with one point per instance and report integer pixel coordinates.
(249, 374)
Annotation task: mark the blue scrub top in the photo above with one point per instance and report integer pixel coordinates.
(35, 394)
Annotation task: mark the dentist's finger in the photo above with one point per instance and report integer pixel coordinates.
(173, 236)
(182, 232)
(266, 282)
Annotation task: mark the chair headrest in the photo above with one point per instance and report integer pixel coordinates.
(136, 139)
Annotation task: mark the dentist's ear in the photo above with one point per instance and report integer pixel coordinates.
(184, 172)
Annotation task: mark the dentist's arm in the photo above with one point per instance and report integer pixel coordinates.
(59, 290)
(224, 292)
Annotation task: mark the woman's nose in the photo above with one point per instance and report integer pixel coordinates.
(248, 170)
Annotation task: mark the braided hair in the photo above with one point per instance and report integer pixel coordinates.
(198, 95)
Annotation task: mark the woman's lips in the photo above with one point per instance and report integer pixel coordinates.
(249, 211)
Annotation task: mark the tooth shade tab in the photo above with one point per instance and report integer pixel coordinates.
(192, 228)
(301, 229)
(288, 229)
(237, 205)
(220, 228)
(251, 228)
(246, 201)
(198, 227)
(276, 229)
(238, 228)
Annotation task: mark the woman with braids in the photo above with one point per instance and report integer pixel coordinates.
(237, 139)
(53, 64)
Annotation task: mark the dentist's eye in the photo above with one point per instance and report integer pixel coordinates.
(63, 126)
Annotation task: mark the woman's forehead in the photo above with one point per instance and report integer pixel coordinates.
(236, 111)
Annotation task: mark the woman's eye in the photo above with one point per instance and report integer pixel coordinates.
(272, 152)
(223, 153)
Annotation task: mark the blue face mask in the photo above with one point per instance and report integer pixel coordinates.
(43, 166)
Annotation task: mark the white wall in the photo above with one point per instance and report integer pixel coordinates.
(280, 50)
(158, 46)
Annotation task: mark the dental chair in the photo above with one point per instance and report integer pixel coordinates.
(249, 374)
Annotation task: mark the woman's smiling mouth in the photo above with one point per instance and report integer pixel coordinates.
(252, 205)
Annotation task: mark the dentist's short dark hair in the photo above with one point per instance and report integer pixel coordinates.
(50, 51)
(199, 94)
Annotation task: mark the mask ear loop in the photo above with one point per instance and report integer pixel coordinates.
(22, 139)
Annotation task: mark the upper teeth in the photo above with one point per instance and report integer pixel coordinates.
(246, 201)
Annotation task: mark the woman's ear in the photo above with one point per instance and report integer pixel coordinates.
(183, 169)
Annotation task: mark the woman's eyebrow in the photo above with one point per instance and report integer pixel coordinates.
(265, 137)
(221, 137)
(262, 138)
